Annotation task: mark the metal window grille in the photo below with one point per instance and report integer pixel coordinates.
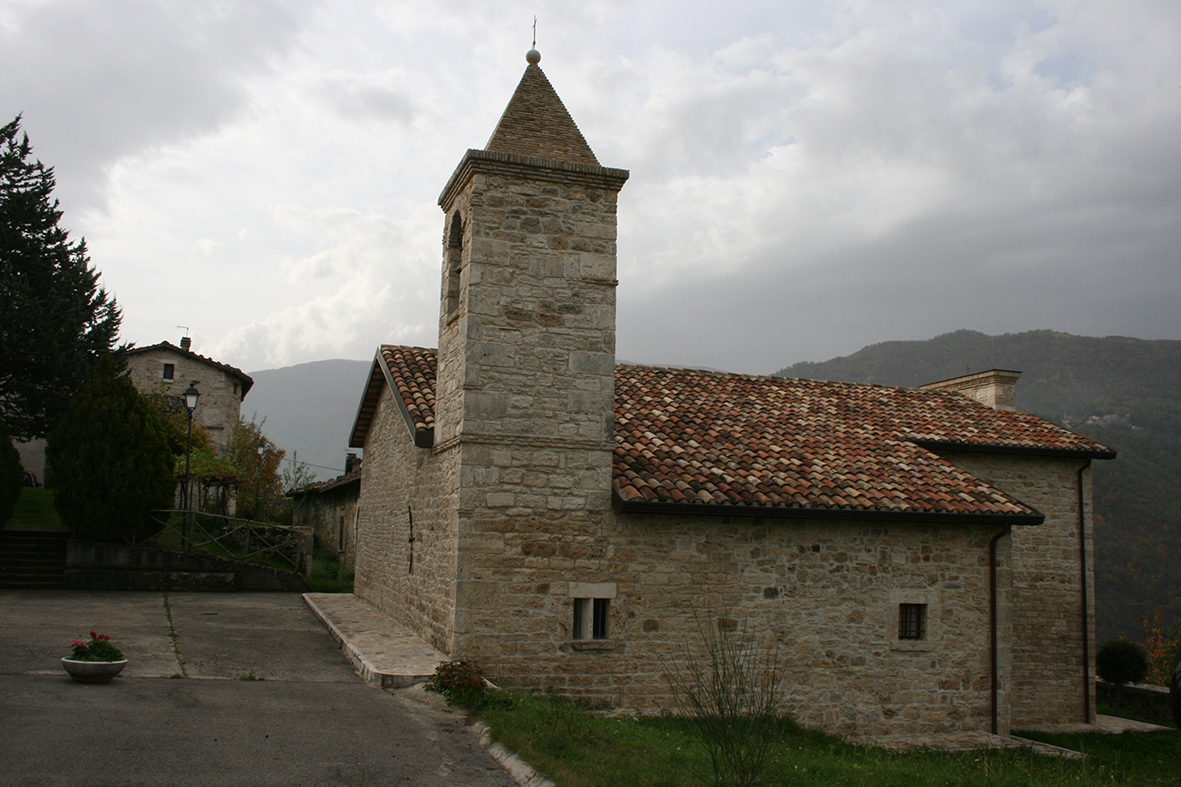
(599, 623)
(912, 621)
(590, 618)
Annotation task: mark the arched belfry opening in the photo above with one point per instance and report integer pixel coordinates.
(452, 264)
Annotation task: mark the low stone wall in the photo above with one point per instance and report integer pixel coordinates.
(91, 566)
(1141, 699)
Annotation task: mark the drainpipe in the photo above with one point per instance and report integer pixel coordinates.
(1082, 551)
(993, 624)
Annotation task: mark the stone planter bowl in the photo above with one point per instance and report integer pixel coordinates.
(93, 671)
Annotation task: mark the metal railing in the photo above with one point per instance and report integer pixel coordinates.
(241, 539)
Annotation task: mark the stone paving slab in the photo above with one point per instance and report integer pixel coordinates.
(384, 653)
(968, 741)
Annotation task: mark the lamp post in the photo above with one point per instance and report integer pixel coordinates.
(191, 397)
(262, 449)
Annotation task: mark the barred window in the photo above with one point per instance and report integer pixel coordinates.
(590, 618)
(912, 621)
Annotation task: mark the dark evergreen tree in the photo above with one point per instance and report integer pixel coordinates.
(111, 462)
(55, 319)
(11, 475)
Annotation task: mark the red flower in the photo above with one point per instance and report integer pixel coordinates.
(93, 635)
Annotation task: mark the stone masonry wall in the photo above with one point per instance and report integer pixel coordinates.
(220, 404)
(526, 361)
(530, 349)
(826, 594)
(401, 484)
(332, 516)
(1048, 668)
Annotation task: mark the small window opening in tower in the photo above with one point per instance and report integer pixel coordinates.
(452, 262)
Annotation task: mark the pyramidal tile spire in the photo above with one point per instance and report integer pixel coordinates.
(536, 123)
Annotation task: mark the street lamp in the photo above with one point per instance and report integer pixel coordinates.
(262, 449)
(191, 397)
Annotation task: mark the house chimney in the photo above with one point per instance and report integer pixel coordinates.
(995, 388)
(351, 462)
(185, 343)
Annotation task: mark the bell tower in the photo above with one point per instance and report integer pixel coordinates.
(527, 317)
(526, 364)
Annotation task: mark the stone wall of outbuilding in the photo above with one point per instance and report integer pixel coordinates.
(220, 403)
(406, 528)
(1052, 680)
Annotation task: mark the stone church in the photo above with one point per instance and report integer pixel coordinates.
(921, 558)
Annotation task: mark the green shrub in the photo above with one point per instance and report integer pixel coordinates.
(111, 462)
(730, 695)
(461, 682)
(11, 475)
(1121, 661)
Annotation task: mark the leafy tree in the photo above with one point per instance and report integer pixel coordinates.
(56, 320)
(260, 493)
(174, 417)
(111, 461)
(11, 475)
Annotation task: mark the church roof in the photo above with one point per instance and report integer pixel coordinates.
(536, 124)
(712, 443)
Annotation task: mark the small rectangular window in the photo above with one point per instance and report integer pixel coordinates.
(590, 618)
(912, 621)
(169, 371)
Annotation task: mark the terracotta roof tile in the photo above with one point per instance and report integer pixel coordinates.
(246, 380)
(413, 371)
(787, 446)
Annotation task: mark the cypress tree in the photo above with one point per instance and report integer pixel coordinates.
(55, 321)
(11, 475)
(111, 462)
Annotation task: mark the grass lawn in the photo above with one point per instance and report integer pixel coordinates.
(34, 508)
(576, 747)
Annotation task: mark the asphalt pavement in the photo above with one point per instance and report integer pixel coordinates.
(220, 689)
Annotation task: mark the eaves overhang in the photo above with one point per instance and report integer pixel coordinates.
(815, 513)
(424, 437)
(937, 446)
(516, 165)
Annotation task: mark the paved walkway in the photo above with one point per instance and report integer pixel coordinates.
(238, 689)
(389, 655)
(383, 652)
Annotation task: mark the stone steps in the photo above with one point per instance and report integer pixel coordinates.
(32, 559)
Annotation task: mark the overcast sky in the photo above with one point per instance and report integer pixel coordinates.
(806, 177)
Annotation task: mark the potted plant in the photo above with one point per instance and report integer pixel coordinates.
(96, 661)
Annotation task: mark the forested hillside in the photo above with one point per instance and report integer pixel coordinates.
(1125, 393)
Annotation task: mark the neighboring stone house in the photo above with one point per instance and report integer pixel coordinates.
(330, 509)
(169, 369)
(922, 561)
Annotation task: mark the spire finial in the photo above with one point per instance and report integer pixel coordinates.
(533, 57)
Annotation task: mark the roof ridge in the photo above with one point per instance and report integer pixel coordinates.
(170, 346)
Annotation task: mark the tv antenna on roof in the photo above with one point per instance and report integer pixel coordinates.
(185, 327)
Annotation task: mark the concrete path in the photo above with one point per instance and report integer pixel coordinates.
(383, 652)
(253, 692)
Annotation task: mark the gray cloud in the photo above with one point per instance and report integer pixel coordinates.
(806, 178)
(97, 81)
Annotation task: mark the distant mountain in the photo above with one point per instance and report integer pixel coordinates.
(1125, 393)
(309, 409)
